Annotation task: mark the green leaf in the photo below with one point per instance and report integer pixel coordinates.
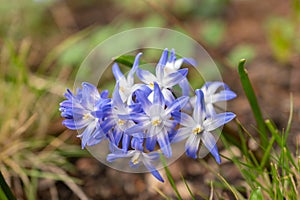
(126, 60)
(256, 194)
(248, 89)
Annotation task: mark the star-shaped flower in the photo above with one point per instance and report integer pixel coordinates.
(197, 128)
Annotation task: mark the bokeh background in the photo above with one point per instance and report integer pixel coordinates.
(43, 42)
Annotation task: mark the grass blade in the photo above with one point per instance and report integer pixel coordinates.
(188, 188)
(170, 178)
(4, 187)
(248, 89)
(256, 194)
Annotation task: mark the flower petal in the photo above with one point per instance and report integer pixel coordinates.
(223, 95)
(184, 119)
(217, 120)
(164, 143)
(192, 146)
(185, 87)
(119, 154)
(116, 98)
(130, 76)
(161, 64)
(199, 108)
(182, 134)
(177, 104)
(158, 98)
(145, 76)
(117, 72)
(152, 169)
(174, 78)
(150, 143)
(86, 134)
(189, 61)
(210, 143)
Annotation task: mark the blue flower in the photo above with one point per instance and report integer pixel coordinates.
(126, 84)
(137, 156)
(214, 92)
(174, 65)
(197, 128)
(114, 123)
(155, 121)
(165, 80)
(84, 111)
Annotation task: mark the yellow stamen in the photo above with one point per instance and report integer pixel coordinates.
(197, 130)
(122, 89)
(151, 85)
(121, 122)
(135, 161)
(156, 121)
(87, 116)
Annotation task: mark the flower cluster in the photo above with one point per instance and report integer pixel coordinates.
(142, 119)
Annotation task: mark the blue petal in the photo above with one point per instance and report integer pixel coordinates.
(143, 100)
(85, 136)
(177, 104)
(117, 136)
(75, 125)
(185, 87)
(150, 143)
(130, 77)
(89, 92)
(172, 57)
(164, 143)
(218, 120)
(137, 143)
(184, 119)
(118, 154)
(182, 134)
(125, 142)
(107, 124)
(157, 96)
(199, 108)
(189, 61)
(210, 143)
(117, 72)
(168, 96)
(104, 94)
(175, 77)
(138, 128)
(137, 117)
(145, 76)
(117, 100)
(192, 146)
(161, 64)
(223, 95)
(211, 87)
(152, 169)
